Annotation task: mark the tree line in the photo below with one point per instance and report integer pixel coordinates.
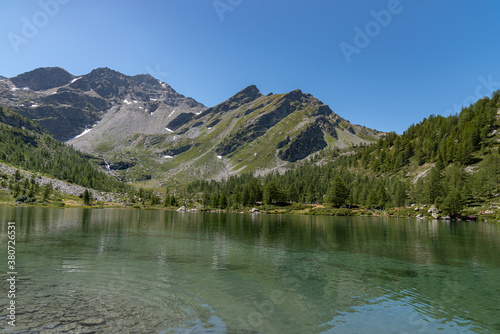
(457, 158)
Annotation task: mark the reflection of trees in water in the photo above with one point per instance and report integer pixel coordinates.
(274, 266)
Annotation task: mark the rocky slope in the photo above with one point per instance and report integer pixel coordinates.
(67, 105)
(58, 185)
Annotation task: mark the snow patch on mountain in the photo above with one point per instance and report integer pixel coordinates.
(87, 130)
(83, 133)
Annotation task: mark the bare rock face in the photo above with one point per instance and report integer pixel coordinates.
(180, 121)
(283, 143)
(43, 78)
(305, 143)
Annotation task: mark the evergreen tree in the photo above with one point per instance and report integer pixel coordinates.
(223, 201)
(214, 200)
(293, 193)
(245, 197)
(206, 199)
(371, 199)
(272, 194)
(453, 203)
(154, 199)
(173, 201)
(400, 196)
(382, 197)
(87, 197)
(337, 193)
(46, 191)
(432, 187)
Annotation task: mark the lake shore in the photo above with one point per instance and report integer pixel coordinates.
(417, 212)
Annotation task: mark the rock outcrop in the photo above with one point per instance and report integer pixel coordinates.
(305, 143)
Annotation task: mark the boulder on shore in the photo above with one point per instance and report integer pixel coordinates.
(433, 209)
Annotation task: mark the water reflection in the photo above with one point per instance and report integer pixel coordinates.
(168, 271)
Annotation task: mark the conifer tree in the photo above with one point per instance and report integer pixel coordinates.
(87, 197)
(337, 193)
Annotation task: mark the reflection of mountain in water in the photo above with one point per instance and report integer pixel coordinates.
(256, 273)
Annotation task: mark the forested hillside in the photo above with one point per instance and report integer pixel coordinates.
(24, 144)
(463, 139)
(451, 162)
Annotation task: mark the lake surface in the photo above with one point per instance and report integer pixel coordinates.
(133, 271)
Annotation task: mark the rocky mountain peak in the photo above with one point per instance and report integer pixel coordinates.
(246, 95)
(147, 79)
(110, 84)
(298, 95)
(251, 92)
(105, 72)
(43, 78)
(104, 81)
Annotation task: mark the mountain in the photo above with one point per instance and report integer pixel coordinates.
(25, 144)
(249, 132)
(67, 105)
(442, 166)
(146, 130)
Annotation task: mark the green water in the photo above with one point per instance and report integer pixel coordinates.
(133, 271)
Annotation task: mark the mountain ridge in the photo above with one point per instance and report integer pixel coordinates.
(67, 105)
(43, 78)
(149, 131)
(251, 136)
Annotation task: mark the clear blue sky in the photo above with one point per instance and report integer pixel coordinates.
(428, 57)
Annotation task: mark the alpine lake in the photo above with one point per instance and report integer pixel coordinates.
(153, 271)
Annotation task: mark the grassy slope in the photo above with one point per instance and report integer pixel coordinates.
(257, 155)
